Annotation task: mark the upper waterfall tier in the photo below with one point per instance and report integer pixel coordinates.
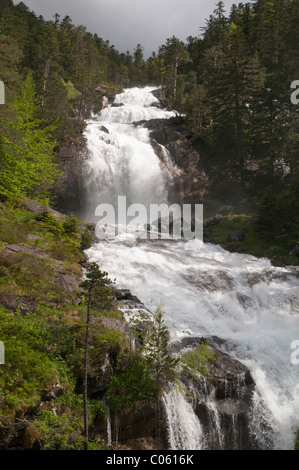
(121, 160)
(133, 105)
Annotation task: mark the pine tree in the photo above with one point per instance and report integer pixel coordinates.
(161, 363)
(174, 53)
(139, 65)
(95, 284)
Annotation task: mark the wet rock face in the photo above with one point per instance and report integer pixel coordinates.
(169, 133)
(223, 402)
(69, 189)
(141, 429)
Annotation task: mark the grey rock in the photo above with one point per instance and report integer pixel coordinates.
(224, 397)
(55, 391)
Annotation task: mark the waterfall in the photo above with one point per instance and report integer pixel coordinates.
(205, 291)
(121, 159)
(216, 438)
(184, 429)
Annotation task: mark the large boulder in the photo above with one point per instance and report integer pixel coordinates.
(223, 400)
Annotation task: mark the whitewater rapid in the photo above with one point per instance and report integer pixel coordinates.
(205, 291)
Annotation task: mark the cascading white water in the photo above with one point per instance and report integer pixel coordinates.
(185, 431)
(205, 290)
(121, 160)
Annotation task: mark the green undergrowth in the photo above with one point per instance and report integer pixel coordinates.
(131, 384)
(42, 327)
(256, 241)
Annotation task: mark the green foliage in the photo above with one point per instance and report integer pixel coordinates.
(28, 370)
(71, 224)
(72, 93)
(26, 149)
(156, 351)
(278, 215)
(95, 287)
(46, 340)
(131, 384)
(297, 440)
(59, 432)
(86, 240)
(198, 361)
(51, 223)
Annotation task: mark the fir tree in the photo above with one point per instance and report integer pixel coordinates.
(161, 363)
(95, 284)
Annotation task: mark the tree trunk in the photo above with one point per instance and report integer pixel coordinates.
(86, 375)
(175, 76)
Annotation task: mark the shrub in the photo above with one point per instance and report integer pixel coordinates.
(131, 384)
(51, 222)
(71, 224)
(86, 240)
(198, 360)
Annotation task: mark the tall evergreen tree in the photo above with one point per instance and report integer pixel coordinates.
(27, 148)
(95, 283)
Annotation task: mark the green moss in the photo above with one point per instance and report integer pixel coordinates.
(86, 240)
(198, 360)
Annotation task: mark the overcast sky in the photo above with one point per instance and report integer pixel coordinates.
(125, 23)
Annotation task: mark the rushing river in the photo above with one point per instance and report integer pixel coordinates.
(205, 291)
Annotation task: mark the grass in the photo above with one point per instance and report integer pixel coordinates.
(11, 229)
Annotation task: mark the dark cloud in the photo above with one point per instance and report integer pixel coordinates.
(125, 23)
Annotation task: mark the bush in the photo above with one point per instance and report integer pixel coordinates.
(86, 240)
(59, 432)
(71, 224)
(131, 384)
(198, 360)
(51, 222)
(28, 370)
